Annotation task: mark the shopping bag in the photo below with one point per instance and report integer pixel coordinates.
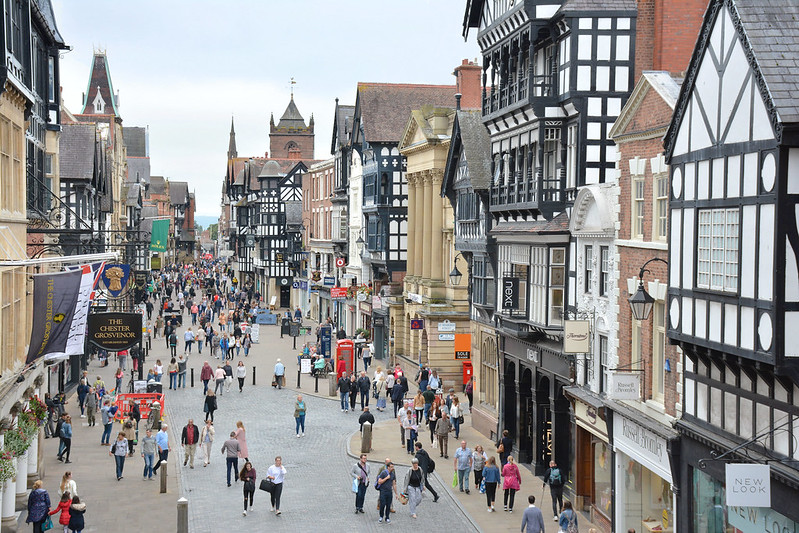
(482, 486)
(435, 443)
(454, 479)
(354, 485)
(48, 524)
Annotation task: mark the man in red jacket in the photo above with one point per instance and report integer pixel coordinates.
(189, 439)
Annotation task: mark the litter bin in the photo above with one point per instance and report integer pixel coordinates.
(155, 387)
(331, 382)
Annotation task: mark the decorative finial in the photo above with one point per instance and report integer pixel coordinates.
(293, 83)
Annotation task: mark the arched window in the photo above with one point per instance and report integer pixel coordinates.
(489, 378)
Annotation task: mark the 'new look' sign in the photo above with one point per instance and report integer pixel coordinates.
(748, 484)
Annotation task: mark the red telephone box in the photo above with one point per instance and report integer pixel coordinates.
(345, 351)
(467, 371)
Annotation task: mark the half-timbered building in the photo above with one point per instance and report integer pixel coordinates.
(733, 295)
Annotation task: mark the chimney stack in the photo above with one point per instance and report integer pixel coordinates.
(467, 76)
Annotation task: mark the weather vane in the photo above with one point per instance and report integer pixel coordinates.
(293, 83)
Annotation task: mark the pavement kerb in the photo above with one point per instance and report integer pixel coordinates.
(402, 463)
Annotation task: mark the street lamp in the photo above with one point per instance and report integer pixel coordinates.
(455, 276)
(641, 302)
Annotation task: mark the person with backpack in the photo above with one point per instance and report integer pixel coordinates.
(360, 480)
(568, 519)
(173, 343)
(554, 477)
(387, 484)
(427, 464)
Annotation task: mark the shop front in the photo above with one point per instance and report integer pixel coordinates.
(380, 333)
(592, 467)
(645, 499)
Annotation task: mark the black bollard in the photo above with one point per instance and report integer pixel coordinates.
(192, 378)
(316, 385)
(295, 343)
(299, 372)
(253, 374)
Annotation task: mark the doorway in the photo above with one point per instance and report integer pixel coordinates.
(544, 426)
(285, 296)
(526, 417)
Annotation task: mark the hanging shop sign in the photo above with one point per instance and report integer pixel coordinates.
(341, 262)
(624, 385)
(576, 336)
(329, 281)
(115, 277)
(338, 292)
(417, 323)
(115, 331)
(510, 293)
(379, 321)
(463, 346)
(748, 484)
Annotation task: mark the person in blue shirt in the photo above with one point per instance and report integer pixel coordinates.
(568, 518)
(491, 477)
(66, 439)
(280, 370)
(162, 443)
(386, 484)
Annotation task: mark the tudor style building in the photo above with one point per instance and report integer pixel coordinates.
(733, 295)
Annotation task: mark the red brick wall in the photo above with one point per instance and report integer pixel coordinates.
(468, 83)
(666, 32)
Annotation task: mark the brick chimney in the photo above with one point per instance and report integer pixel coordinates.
(467, 76)
(666, 33)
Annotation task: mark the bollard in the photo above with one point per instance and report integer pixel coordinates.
(316, 385)
(295, 343)
(162, 469)
(253, 374)
(183, 516)
(366, 437)
(299, 373)
(192, 378)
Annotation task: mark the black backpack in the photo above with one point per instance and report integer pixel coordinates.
(431, 466)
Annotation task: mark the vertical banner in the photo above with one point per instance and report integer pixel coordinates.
(510, 293)
(160, 235)
(55, 299)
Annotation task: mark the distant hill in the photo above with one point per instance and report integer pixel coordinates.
(205, 221)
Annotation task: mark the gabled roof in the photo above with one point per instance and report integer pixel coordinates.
(470, 134)
(44, 9)
(382, 109)
(100, 81)
(178, 192)
(138, 170)
(77, 145)
(157, 185)
(291, 119)
(132, 194)
(135, 141)
(666, 87)
(342, 126)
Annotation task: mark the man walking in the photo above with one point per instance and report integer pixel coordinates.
(532, 519)
(343, 388)
(386, 484)
(231, 450)
(189, 439)
(443, 427)
(363, 388)
(463, 464)
(280, 371)
(162, 443)
(427, 465)
(108, 422)
(360, 473)
(554, 477)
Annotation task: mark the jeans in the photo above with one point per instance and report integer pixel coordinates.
(427, 407)
(120, 461)
(187, 347)
(106, 433)
(173, 380)
(364, 399)
(220, 386)
(384, 504)
(182, 379)
(423, 385)
(457, 425)
(360, 496)
(162, 456)
(463, 479)
(276, 496)
(344, 403)
(199, 346)
(149, 459)
(300, 424)
(205, 386)
(241, 384)
(232, 464)
(367, 361)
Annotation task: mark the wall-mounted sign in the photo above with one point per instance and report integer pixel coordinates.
(295, 284)
(510, 293)
(532, 355)
(446, 326)
(316, 275)
(362, 296)
(624, 386)
(576, 336)
(115, 277)
(338, 292)
(329, 281)
(341, 262)
(463, 346)
(642, 444)
(155, 262)
(279, 257)
(379, 322)
(417, 323)
(115, 331)
(377, 303)
(303, 285)
(446, 336)
(748, 484)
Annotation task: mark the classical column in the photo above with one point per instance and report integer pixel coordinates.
(437, 244)
(412, 214)
(9, 517)
(429, 251)
(418, 256)
(22, 480)
(33, 460)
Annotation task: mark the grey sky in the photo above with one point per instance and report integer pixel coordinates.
(184, 67)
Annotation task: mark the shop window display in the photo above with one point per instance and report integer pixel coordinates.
(602, 484)
(647, 500)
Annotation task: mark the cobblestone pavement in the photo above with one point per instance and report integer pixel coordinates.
(317, 494)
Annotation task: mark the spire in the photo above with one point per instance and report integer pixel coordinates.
(231, 151)
(100, 98)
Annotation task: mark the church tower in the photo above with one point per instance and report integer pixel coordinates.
(291, 138)
(231, 150)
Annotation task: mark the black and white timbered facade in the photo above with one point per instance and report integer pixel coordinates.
(556, 76)
(733, 296)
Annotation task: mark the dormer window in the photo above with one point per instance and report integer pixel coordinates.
(99, 103)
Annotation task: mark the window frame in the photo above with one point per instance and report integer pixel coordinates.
(638, 210)
(660, 207)
(710, 266)
(658, 351)
(588, 267)
(602, 348)
(604, 270)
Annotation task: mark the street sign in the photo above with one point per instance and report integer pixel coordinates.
(463, 346)
(417, 323)
(295, 284)
(340, 262)
(446, 336)
(329, 281)
(446, 326)
(338, 292)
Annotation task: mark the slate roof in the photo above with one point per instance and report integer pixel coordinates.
(138, 170)
(476, 147)
(135, 141)
(291, 119)
(148, 212)
(100, 80)
(384, 108)
(599, 5)
(157, 185)
(45, 8)
(558, 225)
(342, 127)
(132, 192)
(772, 27)
(77, 151)
(178, 192)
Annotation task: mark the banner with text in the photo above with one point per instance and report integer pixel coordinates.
(55, 299)
(115, 331)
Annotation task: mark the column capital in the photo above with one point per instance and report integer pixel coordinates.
(437, 175)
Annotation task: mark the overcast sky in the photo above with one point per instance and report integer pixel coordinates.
(184, 67)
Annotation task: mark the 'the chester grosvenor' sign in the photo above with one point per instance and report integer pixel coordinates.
(115, 331)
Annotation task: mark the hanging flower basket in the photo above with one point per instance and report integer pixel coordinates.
(37, 410)
(7, 467)
(18, 439)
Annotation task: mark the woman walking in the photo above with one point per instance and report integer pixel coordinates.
(276, 473)
(512, 482)
(299, 415)
(241, 436)
(173, 373)
(76, 512)
(353, 391)
(246, 344)
(207, 440)
(241, 373)
(38, 506)
(67, 485)
(479, 459)
(119, 450)
(491, 477)
(66, 439)
(418, 405)
(129, 429)
(247, 475)
(380, 391)
(219, 379)
(455, 414)
(413, 487)
(118, 375)
(63, 508)
(210, 405)
(568, 518)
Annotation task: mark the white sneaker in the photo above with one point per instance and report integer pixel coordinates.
(272, 510)
(555, 519)
(298, 435)
(244, 513)
(303, 434)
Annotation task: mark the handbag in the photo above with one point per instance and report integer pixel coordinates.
(355, 485)
(249, 485)
(267, 485)
(47, 524)
(403, 499)
(460, 419)
(482, 486)
(501, 448)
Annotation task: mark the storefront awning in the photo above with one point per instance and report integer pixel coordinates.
(585, 396)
